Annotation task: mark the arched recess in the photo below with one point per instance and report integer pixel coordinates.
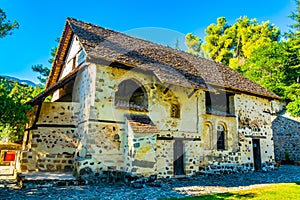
(221, 136)
(131, 95)
(170, 99)
(207, 136)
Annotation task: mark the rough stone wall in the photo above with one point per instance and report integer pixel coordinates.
(160, 108)
(114, 148)
(165, 153)
(142, 154)
(194, 127)
(99, 148)
(209, 134)
(255, 112)
(164, 158)
(84, 93)
(105, 144)
(286, 138)
(51, 144)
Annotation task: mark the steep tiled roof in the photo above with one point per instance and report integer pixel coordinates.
(169, 65)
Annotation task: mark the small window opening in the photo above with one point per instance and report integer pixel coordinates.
(175, 111)
(221, 103)
(221, 137)
(254, 128)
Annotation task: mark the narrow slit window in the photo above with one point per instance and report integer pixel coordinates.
(175, 111)
(221, 137)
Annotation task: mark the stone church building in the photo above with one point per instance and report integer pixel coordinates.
(121, 104)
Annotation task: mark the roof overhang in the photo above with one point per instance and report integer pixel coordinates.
(60, 55)
(61, 83)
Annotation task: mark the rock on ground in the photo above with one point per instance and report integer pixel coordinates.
(193, 186)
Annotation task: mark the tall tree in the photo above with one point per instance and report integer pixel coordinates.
(293, 91)
(271, 66)
(6, 26)
(233, 44)
(277, 66)
(218, 44)
(43, 71)
(296, 17)
(193, 44)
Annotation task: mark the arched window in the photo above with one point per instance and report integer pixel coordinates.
(131, 95)
(254, 128)
(175, 111)
(220, 137)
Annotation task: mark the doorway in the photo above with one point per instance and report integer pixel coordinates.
(178, 158)
(256, 154)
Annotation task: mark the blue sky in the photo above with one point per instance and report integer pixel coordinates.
(164, 21)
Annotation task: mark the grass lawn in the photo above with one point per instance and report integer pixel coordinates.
(281, 191)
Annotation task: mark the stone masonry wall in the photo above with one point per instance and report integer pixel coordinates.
(255, 122)
(51, 144)
(193, 123)
(105, 146)
(286, 138)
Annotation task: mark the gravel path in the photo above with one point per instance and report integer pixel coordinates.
(169, 188)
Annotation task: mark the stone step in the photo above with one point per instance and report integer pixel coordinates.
(46, 179)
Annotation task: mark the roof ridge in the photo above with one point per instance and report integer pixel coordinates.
(119, 47)
(135, 37)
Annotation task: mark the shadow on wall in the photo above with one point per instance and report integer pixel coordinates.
(286, 133)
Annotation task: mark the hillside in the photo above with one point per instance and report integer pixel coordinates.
(23, 82)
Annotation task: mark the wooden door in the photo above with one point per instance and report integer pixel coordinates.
(178, 158)
(256, 154)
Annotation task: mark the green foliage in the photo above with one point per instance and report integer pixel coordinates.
(276, 67)
(294, 107)
(254, 50)
(43, 71)
(296, 17)
(6, 26)
(218, 44)
(287, 156)
(53, 52)
(293, 94)
(269, 66)
(13, 108)
(193, 44)
(225, 42)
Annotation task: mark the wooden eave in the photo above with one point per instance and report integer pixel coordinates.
(60, 55)
(61, 83)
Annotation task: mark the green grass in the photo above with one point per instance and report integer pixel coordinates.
(281, 191)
